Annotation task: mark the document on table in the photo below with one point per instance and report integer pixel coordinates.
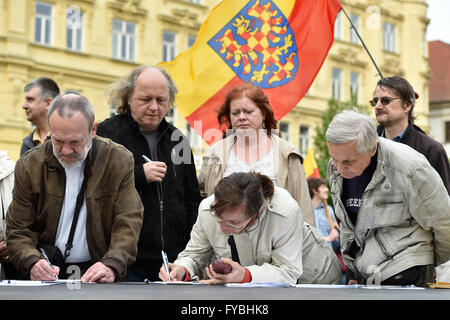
(31, 283)
(258, 285)
(174, 282)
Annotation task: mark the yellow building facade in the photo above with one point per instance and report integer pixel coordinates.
(85, 45)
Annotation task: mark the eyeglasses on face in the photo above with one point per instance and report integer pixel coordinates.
(229, 224)
(384, 101)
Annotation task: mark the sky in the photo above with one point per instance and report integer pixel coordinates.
(439, 14)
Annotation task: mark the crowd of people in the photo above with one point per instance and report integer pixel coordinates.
(106, 202)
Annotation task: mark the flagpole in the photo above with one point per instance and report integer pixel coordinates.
(364, 45)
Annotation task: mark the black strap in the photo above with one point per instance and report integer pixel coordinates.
(80, 199)
(234, 252)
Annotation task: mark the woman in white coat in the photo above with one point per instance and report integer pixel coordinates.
(267, 227)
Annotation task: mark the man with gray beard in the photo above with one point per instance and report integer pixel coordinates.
(73, 164)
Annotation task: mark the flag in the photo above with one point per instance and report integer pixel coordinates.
(310, 165)
(278, 45)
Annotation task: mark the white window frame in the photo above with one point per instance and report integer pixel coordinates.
(389, 37)
(124, 44)
(336, 83)
(44, 19)
(304, 132)
(169, 47)
(75, 41)
(284, 130)
(355, 21)
(338, 26)
(354, 85)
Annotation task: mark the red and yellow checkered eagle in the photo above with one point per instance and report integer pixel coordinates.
(260, 43)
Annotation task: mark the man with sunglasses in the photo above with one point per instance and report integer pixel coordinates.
(393, 101)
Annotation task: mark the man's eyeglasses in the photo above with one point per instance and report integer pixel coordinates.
(229, 224)
(384, 101)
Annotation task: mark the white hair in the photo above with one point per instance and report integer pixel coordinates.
(351, 125)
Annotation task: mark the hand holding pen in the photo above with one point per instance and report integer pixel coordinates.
(43, 270)
(154, 171)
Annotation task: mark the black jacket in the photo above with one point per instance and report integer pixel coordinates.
(27, 143)
(181, 194)
(430, 148)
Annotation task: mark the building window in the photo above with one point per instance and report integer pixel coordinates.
(354, 86)
(194, 138)
(447, 131)
(43, 23)
(124, 40)
(337, 26)
(74, 28)
(191, 40)
(171, 115)
(304, 139)
(284, 130)
(336, 84)
(389, 37)
(169, 47)
(355, 21)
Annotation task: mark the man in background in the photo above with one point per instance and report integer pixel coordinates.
(393, 101)
(39, 94)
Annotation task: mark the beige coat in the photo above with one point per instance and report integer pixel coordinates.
(290, 174)
(404, 219)
(272, 251)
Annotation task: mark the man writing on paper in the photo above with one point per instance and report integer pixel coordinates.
(47, 182)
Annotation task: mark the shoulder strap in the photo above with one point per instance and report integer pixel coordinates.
(80, 199)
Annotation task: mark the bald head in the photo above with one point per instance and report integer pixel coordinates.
(67, 105)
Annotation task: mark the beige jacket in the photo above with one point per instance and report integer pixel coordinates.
(320, 263)
(290, 174)
(271, 251)
(404, 219)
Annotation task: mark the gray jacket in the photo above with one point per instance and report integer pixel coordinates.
(404, 218)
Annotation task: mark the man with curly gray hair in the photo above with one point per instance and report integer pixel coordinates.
(393, 206)
(167, 183)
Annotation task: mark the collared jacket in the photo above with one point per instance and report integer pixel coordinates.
(271, 249)
(114, 209)
(404, 218)
(180, 191)
(430, 148)
(288, 164)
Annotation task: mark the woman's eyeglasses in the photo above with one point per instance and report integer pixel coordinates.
(384, 101)
(229, 224)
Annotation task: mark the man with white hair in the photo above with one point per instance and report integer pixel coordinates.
(393, 206)
(75, 192)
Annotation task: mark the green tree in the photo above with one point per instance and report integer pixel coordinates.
(320, 142)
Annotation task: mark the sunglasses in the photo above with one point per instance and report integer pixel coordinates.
(384, 101)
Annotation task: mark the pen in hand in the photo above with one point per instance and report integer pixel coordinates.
(48, 260)
(166, 264)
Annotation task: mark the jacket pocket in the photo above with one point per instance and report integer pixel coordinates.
(389, 209)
